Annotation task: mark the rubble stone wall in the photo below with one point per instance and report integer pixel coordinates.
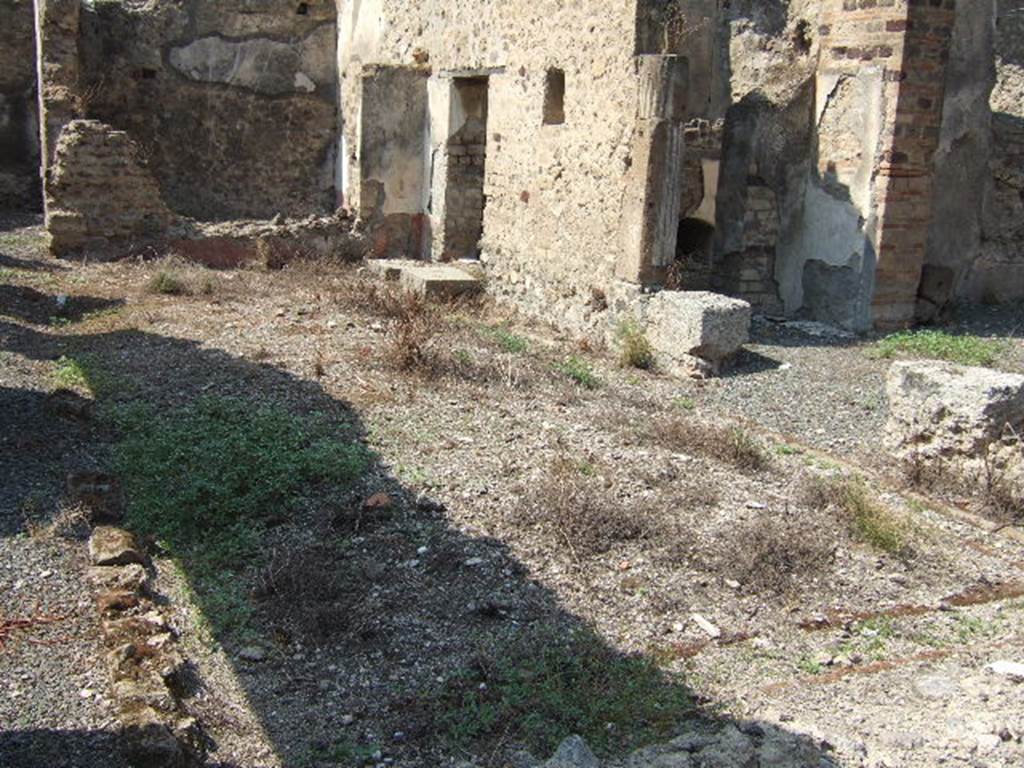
(233, 104)
(19, 121)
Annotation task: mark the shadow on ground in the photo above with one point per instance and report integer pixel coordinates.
(380, 627)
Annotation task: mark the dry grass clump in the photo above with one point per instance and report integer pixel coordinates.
(176, 277)
(70, 521)
(998, 493)
(772, 554)
(730, 444)
(867, 518)
(572, 506)
(167, 282)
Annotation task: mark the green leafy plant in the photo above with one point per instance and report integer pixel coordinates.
(579, 371)
(940, 345)
(547, 687)
(635, 349)
(205, 480)
(71, 374)
(508, 341)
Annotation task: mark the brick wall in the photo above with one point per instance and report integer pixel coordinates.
(909, 40)
(98, 191)
(234, 103)
(464, 198)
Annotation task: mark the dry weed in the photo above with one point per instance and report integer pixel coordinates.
(729, 444)
(410, 340)
(311, 592)
(772, 554)
(67, 521)
(573, 507)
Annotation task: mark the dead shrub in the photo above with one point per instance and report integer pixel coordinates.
(771, 554)
(1002, 493)
(410, 339)
(730, 444)
(574, 508)
(168, 282)
(317, 594)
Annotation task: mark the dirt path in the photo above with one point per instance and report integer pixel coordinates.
(518, 491)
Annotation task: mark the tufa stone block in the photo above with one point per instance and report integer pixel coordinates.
(439, 282)
(684, 324)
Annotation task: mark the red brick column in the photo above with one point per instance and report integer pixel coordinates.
(909, 40)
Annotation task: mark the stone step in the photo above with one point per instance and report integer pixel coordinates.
(391, 269)
(426, 279)
(439, 282)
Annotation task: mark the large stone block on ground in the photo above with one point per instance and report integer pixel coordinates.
(439, 282)
(947, 411)
(682, 325)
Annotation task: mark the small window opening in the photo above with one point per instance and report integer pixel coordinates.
(554, 97)
(303, 9)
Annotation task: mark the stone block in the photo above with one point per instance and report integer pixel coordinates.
(391, 269)
(114, 546)
(682, 325)
(439, 282)
(948, 411)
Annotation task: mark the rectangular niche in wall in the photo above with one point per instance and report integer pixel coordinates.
(554, 97)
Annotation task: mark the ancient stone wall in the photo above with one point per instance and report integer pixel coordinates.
(19, 122)
(998, 272)
(98, 190)
(554, 191)
(233, 104)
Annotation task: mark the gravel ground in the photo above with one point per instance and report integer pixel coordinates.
(54, 708)
(464, 451)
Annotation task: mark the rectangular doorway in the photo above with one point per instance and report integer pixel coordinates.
(464, 200)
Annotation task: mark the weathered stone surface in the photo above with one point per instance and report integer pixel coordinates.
(439, 282)
(392, 269)
(573, 753)
(1013, 670)
(19, 122)
(99, 493)
(939, 409)
(234, 102)
(99, 189)
(682, 324)
(114, 546)
(131, 578)
(149, 743)
(267, 66)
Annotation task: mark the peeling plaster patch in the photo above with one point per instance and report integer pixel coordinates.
(265, 66)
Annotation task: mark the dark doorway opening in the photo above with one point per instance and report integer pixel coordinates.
(467, 163)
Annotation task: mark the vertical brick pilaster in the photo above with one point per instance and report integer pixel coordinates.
(909, 41)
